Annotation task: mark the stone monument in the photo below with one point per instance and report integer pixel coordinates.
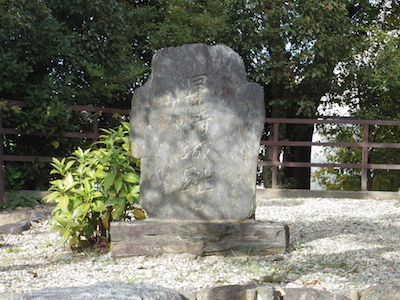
(196, 125)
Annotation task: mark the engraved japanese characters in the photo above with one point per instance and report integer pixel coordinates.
(196, 125)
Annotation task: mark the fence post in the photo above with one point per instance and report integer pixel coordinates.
(2, 192)
(364, 170)
(95, 128)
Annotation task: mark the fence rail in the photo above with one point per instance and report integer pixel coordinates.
(365, 145)
(273, 142)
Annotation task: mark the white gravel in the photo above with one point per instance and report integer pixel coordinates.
(337, 245)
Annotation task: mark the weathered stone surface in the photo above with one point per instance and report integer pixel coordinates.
(8, 296)
(311, 294)
(24, 213)
(15, 228)
(238, 292)
(155, 237)
(196, 124)
(386, 291)
(119, 290)
(187, 293)
(17, 222)
(105, 290)
(266, 292)
(14, 217)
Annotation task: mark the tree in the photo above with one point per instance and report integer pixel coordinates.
(295, 50)
(55, 54)
(290, 47)
(31, 40)
(373, 96)
(98, 52)
(99, 64)
(158, 24)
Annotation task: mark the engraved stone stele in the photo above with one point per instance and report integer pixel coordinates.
(196, 125)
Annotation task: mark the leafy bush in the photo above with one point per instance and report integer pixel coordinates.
(94, 187)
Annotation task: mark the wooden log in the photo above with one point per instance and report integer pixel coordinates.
(155, 237)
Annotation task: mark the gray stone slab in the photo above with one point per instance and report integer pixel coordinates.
(7, 296)
(15, 228)
(196, 125)
(25, 213)
(223, 292)
(311, 294)
(238, 292)
(388, 290)
(104, 290)
(14, 217)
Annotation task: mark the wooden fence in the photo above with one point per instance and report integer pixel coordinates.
(93, 135)
(273, 142)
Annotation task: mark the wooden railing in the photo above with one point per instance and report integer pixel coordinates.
(93, 135)
(275, 143)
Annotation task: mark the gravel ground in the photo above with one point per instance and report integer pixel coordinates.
(337, 245)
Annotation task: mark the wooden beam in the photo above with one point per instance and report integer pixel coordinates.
(154, 237)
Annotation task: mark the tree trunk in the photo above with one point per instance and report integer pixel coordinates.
(298, 178)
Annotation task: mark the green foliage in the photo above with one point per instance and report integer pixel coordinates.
(55, 54)
(295, 46)
(13, 250)
(100, 64)
(95, 186)
(340, 178)
(16, 199)
(292, 48)
(373, 86)
(24, 176)
(350, 179)
(169, 23)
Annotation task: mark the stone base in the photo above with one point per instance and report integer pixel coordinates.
(155, 237)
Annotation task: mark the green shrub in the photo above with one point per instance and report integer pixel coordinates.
(94, 187)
